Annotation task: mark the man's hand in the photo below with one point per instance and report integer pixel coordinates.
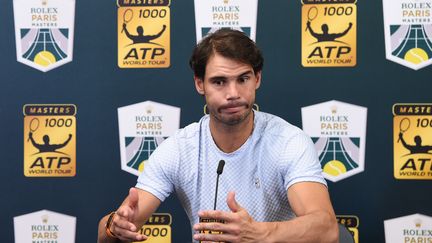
(123, 225)
(239, 226)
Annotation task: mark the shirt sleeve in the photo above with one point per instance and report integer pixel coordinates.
(158, 173)
(300, 161)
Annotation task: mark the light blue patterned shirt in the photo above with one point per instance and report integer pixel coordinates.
(275, 156)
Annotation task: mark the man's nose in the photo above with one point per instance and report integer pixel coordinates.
(232, 91)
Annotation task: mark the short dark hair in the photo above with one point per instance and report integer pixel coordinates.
(229, 43)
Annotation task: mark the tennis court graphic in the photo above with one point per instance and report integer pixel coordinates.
(338, 155)
(208, 30)
(412, 43)
(44, 47)
(139, 149)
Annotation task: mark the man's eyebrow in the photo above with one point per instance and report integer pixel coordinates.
(249, 72)
(246, 73)
(217, 78)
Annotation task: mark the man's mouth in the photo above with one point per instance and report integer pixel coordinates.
(233, 108)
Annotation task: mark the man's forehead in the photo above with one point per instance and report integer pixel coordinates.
(218, 64)
(215, 56)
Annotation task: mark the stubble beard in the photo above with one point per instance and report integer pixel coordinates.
(232, 120)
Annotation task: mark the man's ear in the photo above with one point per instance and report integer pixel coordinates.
(258, 80)
(199, 85)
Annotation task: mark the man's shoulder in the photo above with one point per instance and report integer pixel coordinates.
(192, 130)
(272, 125)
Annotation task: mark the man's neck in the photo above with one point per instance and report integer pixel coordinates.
(229, 138)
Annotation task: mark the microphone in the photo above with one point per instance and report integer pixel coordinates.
(219, 172)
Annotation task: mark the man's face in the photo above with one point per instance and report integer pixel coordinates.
(229, 89)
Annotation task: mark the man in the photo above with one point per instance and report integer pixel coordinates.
(326, 36)
(46, 146)
(140, 37)
(418, 148)
(272, 179)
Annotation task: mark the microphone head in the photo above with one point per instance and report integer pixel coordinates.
(220, 167)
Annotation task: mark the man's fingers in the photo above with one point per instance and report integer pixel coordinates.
(215, 237)
(125, 230)
(127, 235)
(232, 203)
(125, 212)
(123, 223)
(230, 229)
(128, 209)
(218, 215)
(210, 227)
(123, 226)
(133, 197)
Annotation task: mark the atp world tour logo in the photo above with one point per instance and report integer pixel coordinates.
(49, 140)
(143, 127)
(412, 131)
(211, 15)
(408, 32)
(329, 33)
(338, 131)
(44, 32)
(143, 33)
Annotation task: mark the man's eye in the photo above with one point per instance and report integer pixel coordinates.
(218, 82)
(244, 78)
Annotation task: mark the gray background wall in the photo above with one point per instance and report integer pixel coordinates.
(95, 84)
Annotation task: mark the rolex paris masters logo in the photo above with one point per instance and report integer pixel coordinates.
(338, 131)
(44, 32)
(143, 127)
(44, 227)
(408, 32)
(211, 15)
(415, 228)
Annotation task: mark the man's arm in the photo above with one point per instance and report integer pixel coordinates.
(308, 26)
(158, 34)
(129, 217)
(58, 146)
(33, 141)
(315, 221)
(407, 146)
(127, 32)
(345, 32)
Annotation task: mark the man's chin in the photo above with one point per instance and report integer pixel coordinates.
(233, 119)
(232, 122)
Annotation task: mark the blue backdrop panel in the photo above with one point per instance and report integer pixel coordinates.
(94, 83)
